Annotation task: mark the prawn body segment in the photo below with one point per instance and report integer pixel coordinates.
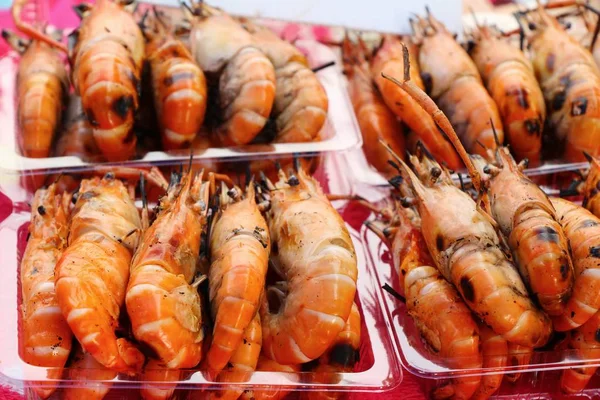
(92, 274)
(313, 251)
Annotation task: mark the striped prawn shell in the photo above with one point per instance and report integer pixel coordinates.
(46, 336)
(107, 61)
(582, 229)
(180, 92)
(92, 274)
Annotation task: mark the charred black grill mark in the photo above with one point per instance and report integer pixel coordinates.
(559, 100)
(595, 251)
(122, 105)
(550, 59)
(88, 195)
(169, 80)
(343, 354)
(467, 289)
(588, 223)
(547, 234)
(427, 81)
(533, 126)
(521, 96)
(579, 107)
(439, 242)
(91, 117)
(564, 271)
(130, 137)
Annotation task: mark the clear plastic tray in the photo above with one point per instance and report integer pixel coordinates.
(377, 371)
(540, 379)
(339, 133)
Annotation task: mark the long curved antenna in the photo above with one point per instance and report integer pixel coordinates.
(438, 116)
(30, 31)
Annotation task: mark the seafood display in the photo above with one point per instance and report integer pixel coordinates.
(509, 77)
(570, 81)
(251, 276)
(230, 80)
(125, 282)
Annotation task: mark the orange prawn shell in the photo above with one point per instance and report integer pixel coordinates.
(92, 274)
(454, 82)
(570, 81)
(176, 74)
(527, 218)
(495, 349)
(389, 60)
(582, 229)
(240, 245)
(45, 336)
(42, 84)
(510, 79)
(591, 188)
(298, 215)
(458, 240)
(107, 61)
(374, 118)
(454, 338)
(164, 309)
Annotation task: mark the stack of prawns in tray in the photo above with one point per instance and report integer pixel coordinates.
(144, 82)
(539, 92)
(111, 289)
(491, 269)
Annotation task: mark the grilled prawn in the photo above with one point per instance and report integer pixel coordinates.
(591, 187)
(494, 349)
(300, 106)
(245, 77)
(163, 305)
(179, 86)
(585, 341)
(528, 220)
(465, 246)
(313, 253)
(77, 138)
(510, 80)
(42, 84)
(239, 246)
(91, 276)
(241, 364)
(388, 60)
(452, 79)
(86, 371)
(455, 337)
(155, 371)
(340, 357)
(107, 61)
(266, 364)
(374, 118)
(570, 81)
(582, 229)
(45, 335)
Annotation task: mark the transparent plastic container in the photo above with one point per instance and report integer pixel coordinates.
(540, 379)
(339, 133)
(377, 371)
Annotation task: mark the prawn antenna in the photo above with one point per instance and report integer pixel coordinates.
(421, 147)
(498, 144)
(588, 156)
(571, 190)
(249, 175)
(297, 165)
(472, 11)
(517, 16)
(395, 294)
(142, 23)
(323, 66)
(406, 59)
(143, 191)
